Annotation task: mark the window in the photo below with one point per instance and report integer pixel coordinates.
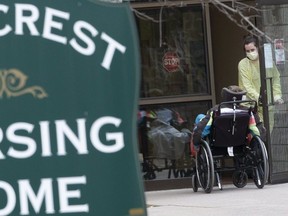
(173, 52)
(164, 139)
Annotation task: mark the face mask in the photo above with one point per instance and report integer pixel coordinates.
(252, 55)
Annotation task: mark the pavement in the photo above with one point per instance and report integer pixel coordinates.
(248, 201)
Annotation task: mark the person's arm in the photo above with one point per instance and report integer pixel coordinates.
(246, 81)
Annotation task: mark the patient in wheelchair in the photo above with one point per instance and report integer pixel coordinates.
(203, 122)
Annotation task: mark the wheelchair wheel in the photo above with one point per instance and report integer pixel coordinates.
(240, 179)
(261, 168)
(205, 167)
(194, 183)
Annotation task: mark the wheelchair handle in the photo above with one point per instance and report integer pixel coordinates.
(237, 102)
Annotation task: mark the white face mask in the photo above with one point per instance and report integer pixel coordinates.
(252, 55)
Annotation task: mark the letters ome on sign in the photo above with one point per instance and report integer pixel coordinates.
(68, 95)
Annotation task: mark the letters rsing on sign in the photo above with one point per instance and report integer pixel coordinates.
(62, 131)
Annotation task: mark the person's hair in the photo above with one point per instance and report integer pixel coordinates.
(232, 92)
(250, 39)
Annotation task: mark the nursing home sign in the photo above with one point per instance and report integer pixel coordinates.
(69, 78)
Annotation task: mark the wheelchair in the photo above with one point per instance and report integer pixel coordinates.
(230, 139)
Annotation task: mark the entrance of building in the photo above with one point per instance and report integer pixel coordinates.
(189, 53)
(227, 38)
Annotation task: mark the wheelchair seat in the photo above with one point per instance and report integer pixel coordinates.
(230, 129)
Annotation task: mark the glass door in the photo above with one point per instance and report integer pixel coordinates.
(274, 49)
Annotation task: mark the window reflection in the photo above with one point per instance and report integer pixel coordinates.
(173, 52)
(164, 136)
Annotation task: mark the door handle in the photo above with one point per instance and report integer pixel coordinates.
(271, 89)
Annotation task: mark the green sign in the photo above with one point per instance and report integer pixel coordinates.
(69, 79)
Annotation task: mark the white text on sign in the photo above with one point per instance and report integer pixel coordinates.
(54, 22)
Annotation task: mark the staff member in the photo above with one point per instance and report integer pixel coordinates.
(249, 77)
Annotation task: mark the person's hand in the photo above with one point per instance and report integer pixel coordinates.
(279, 101)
